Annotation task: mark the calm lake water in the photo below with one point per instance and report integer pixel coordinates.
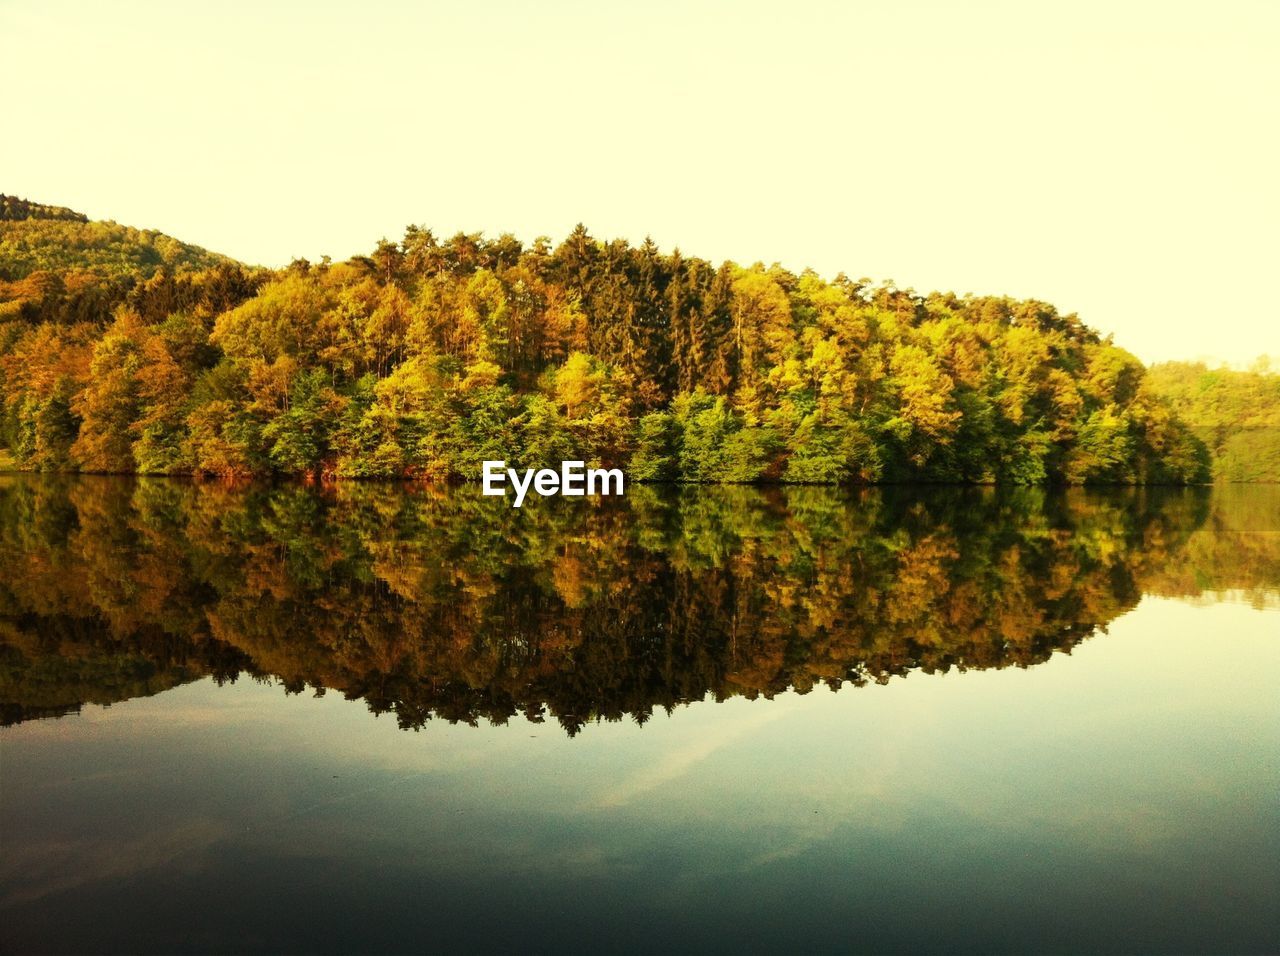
(377, 718)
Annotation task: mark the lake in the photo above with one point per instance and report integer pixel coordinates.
(372, 718)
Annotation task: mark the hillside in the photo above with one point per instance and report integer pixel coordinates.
(58, 267)
(428, 356)
(14, 209)
(1235, 413)
(38, 238)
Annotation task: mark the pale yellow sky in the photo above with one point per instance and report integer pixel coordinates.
(1119, 160)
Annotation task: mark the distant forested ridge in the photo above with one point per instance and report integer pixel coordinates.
(41, 243)
(1235, 413)
(13, 209)
(129, 351)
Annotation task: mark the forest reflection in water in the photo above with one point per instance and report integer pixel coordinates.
(435, 602)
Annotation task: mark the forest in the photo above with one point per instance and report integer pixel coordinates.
(126, 351)
(1236, 413)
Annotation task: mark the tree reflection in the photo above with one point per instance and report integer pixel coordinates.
(434, 602)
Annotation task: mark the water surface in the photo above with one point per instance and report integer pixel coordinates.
(378, 718)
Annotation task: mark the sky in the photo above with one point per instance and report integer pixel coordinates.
(1120, 160)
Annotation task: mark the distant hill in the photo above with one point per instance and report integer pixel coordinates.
(1235, 413)
(14, 209)
(40, 238)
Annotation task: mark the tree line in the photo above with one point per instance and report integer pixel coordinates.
(17, 209)
(1236, 413)
(428, 356)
